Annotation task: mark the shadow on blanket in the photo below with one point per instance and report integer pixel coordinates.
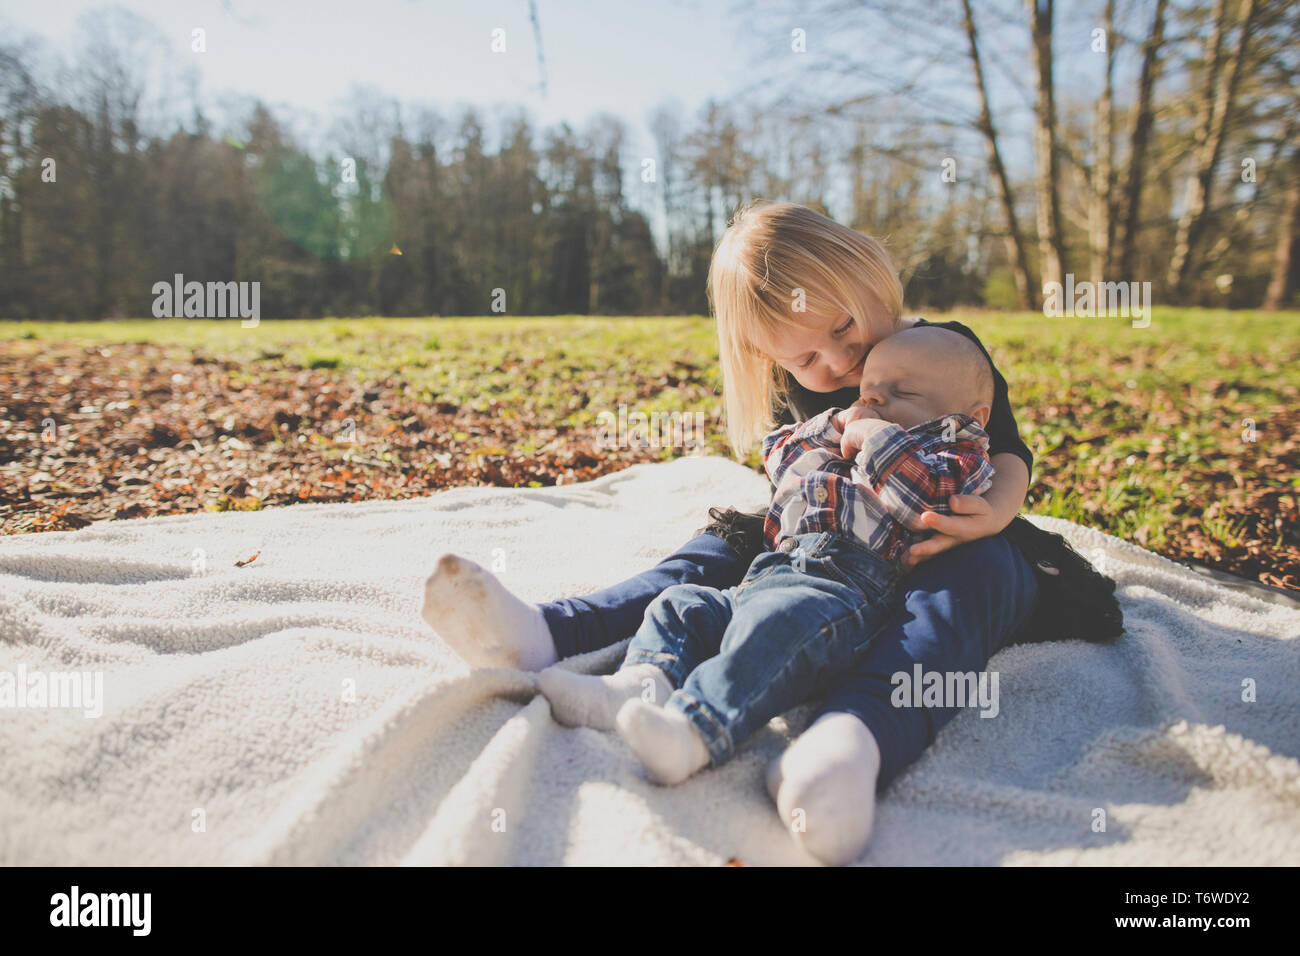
(298, 710)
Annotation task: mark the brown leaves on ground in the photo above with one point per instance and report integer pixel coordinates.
(134, 430)
(1227, 503)
(123, 431)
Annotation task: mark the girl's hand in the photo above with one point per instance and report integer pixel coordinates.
(972, 518)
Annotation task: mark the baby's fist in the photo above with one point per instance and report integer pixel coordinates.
(853, 413)
(857, 432)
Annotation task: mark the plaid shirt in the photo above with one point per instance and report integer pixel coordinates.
(878, 496)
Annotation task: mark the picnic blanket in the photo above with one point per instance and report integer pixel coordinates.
(297, 710)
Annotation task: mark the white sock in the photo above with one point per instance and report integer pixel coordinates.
(584, 700)
(824, 786)
(665, 741)
(482, 621)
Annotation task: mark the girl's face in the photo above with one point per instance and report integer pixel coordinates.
(826, 353)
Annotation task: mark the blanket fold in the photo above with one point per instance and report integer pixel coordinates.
(177, 709)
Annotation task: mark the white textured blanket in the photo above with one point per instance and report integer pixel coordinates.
(299, 711)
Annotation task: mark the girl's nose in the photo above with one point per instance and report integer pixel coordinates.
(846, 360)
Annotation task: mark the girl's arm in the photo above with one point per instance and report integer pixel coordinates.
(975, 516)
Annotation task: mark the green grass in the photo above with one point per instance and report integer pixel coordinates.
(482, 362)
(1135, 431)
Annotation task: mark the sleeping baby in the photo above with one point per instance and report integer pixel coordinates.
(708, 667)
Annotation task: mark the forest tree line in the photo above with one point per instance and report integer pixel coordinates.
(1180, 166)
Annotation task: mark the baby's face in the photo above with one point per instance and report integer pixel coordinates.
(908, 384)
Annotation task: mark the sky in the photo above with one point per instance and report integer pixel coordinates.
(304, 58)
(600, 55)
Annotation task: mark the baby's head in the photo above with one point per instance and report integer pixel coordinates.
(927, 372)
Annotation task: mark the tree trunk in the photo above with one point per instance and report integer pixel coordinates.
(1050, 244)
(1212, 125)
(1101, 209)
(1280, 285)
(1139, 138)
(1016, 252)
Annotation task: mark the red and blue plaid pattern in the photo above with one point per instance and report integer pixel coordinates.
(877, 497)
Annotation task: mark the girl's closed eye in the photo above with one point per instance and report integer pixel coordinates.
(840, 331)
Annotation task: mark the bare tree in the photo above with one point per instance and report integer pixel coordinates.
(1276, 100)
(721, 162)
(1101, 206)
(1218, 93)
(1016, 252)
(1284, 258)
(665, 124)
(1051, 245)
(18, 106)
(1139, 140)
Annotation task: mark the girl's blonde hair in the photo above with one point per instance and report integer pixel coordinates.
(775, 261)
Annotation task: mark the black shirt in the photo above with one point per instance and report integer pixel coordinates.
(1004, 436)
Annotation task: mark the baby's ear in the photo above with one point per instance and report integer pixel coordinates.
(981, 413)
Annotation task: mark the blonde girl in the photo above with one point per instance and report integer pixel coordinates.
(799, 301)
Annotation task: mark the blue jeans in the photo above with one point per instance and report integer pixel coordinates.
(954, 612)
(801, 618)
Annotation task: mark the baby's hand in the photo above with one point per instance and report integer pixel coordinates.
(856, 432)
(857, 410)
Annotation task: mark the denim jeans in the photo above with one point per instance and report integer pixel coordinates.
(953, 612)
(800, 618)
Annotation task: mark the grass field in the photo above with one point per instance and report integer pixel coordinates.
(1180, 436)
